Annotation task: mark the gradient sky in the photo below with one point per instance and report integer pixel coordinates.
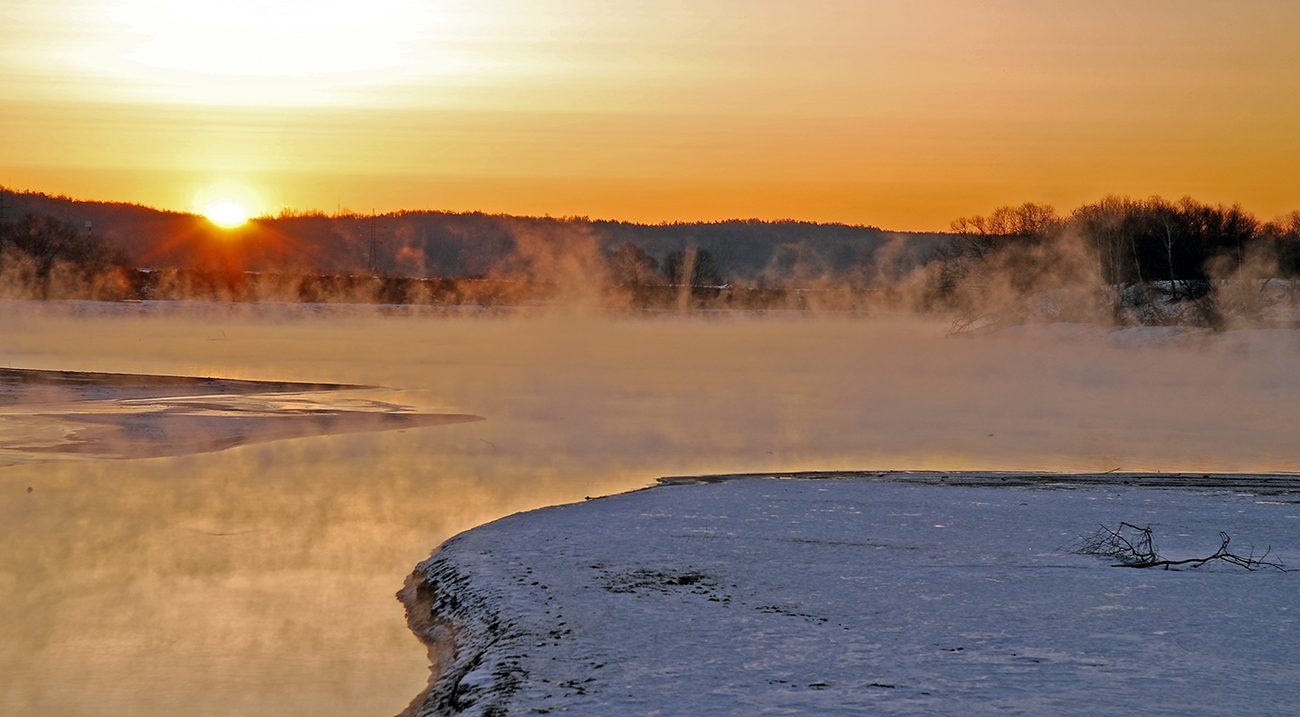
(901, 115)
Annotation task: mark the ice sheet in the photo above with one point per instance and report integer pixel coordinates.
(763, 596)
(113, 415)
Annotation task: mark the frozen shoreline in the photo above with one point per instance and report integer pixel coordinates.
(900, 593)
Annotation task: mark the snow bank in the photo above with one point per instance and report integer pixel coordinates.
(807, 596)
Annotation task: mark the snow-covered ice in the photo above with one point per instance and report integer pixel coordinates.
(848, 596)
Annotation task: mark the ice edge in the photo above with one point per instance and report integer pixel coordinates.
(1263, 483)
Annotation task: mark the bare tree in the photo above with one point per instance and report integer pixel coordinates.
(692, 267)
(630, 265)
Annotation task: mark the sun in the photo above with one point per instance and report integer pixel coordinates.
(226, 214)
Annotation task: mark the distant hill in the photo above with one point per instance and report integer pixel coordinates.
(448, 244)
(138, 229)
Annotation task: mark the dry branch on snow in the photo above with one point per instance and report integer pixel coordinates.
(1134, 547)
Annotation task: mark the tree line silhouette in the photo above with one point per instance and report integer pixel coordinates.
(1119, 260)
(1148, 261)
(45, 258)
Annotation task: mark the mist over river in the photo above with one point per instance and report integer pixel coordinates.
(259, 580)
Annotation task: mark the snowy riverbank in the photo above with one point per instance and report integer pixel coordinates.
(836, 596)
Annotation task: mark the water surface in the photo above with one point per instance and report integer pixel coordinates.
(259, 580)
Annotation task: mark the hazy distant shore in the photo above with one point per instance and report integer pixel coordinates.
(1117, 261)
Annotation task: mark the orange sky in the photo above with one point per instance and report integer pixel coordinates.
(901, 115)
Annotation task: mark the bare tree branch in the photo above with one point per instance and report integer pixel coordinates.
(1135, 547)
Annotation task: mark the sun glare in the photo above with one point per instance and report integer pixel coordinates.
(226, 214)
